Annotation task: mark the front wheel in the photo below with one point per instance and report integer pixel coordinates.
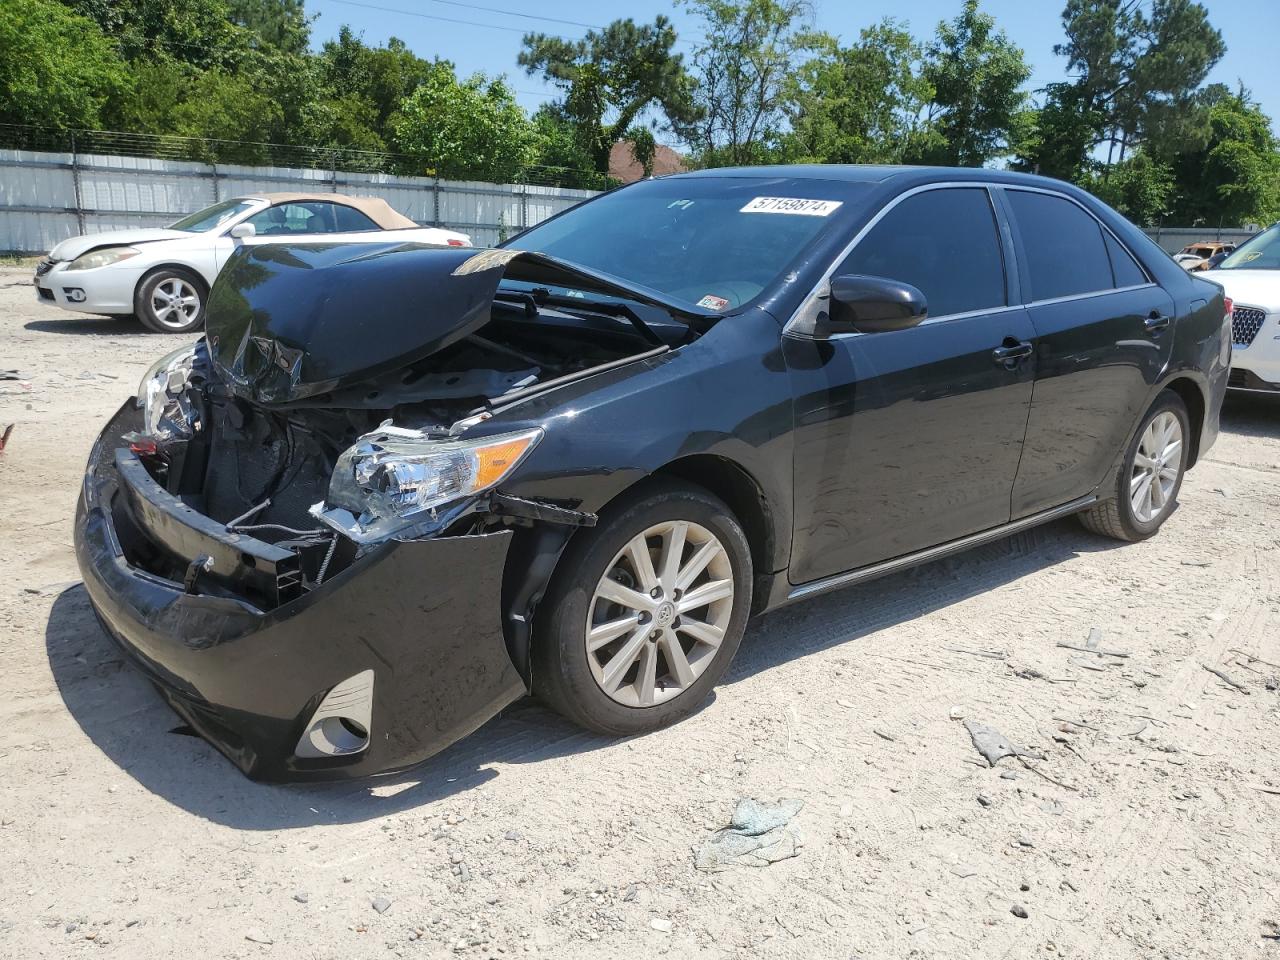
(645, 612)
(171, 300)
(1150, 477)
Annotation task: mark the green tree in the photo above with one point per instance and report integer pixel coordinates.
(1137, 70)
(862, 103)
(280, 24)
(471, 130)
(56, 68)
(619, 73)
(744, 71)
(1142, 188)
(202, 33)
(976, 73)
(1056, 139)
(378, 79)
(1232, 178)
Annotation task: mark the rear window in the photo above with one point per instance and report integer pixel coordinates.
(715, 242)
(1063, 246)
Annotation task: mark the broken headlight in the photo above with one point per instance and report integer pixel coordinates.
(393, 477)
(166, 412)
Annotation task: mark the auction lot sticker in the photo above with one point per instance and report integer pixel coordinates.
(792, 205)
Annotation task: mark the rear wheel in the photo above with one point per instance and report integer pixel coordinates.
(1150, 477)
(645, 613)
(171, 300)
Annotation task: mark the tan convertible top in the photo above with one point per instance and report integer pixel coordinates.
(375, 208)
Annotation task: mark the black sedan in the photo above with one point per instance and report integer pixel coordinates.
(396, 487)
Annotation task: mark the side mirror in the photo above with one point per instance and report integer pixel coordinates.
(873, 305)
(243, 230)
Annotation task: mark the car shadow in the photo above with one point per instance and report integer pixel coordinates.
(1252, 415)
(102, 326)
(125, 718)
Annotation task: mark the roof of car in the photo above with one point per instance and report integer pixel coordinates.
(873, 173)
(375, 208)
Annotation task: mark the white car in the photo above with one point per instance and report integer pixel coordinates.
(1251, 278)
(163, 277)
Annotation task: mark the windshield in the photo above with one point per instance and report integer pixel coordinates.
(1257, 253)
(210, 218)
(713, 242)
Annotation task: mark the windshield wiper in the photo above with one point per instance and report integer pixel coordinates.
(609, 308)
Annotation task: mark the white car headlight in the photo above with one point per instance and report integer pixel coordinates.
(391, 477)
(101, 258)
(164, 410)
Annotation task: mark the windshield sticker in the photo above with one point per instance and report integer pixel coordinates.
(712, 302)
(792, 205)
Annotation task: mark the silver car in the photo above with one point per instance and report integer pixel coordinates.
(163, 276)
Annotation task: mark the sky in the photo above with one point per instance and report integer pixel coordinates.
(489, 40)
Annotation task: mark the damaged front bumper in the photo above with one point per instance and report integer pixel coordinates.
(385, 664)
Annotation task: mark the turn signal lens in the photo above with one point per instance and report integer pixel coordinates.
(495, 462)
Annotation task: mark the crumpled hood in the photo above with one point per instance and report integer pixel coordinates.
(74, 247)
(297, 322)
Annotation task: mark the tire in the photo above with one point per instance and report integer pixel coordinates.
(573, 680)
(1118, 516)
(184, 293)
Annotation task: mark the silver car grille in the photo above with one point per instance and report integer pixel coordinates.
(1245, 324)
(43, 267)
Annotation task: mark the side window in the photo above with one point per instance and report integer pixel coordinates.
(1063, 246)
(294, 219)
(1125, 268)
(944, 242)
(351, 220)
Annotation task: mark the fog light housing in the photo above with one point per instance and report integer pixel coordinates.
(341, 724)
(74, 294)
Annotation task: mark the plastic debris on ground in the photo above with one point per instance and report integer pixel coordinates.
(759, 834)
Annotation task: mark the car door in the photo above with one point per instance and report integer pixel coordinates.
(911, 438)
(1104, 334)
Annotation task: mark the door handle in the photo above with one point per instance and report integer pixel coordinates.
(1011, 352)
(1156, 322)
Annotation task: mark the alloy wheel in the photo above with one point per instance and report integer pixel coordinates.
(174, 302)
(1156, 466)
(659, 613)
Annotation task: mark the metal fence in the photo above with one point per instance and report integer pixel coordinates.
(1173, 239)
(46, 197)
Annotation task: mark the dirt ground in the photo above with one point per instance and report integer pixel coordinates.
(1148, 830)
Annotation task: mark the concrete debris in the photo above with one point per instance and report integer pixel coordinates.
(381, 904)
(1018, 910)
(661, 924)
(994, 745)
(759, 834)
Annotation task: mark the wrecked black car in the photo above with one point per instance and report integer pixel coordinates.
(396, 487)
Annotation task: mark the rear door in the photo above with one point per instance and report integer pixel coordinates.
(1104, 334)
(911, 438)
